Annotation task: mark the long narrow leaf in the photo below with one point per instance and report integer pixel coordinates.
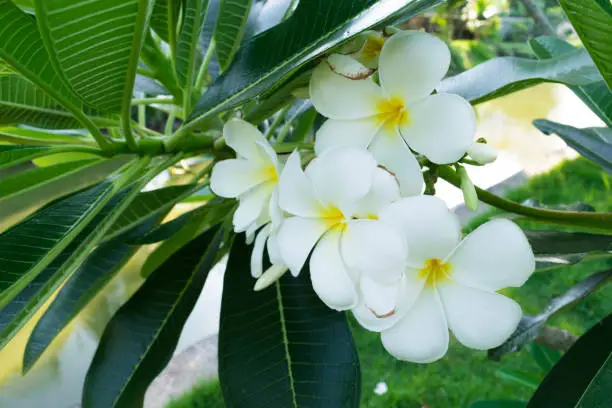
(504, 75)
(186, 53)
(230, 28)
(141, 337)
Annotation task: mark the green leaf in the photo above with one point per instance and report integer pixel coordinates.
(164, 20)
(20, 309)
(593, 143)
(551, 243)
(230, 28)
(168, 229)
(596, 96)
(202, 219)
(265, 14)
(525, 379)
(583, 376)
(194, 15)
(592, 20)
(504, 75)
(24, 181)
(273, 56)
(530, 326)
(23, 103)
(82, 286)
(127, 360)
(544, 356)
(27, 248)
(29, 201)
(282, 347)
(37, 137)
(14, 155)
(148, 204)
(499, 404)
(22, 48)
(95, 46)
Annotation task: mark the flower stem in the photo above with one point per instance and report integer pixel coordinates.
(277, 121)
(598, 221)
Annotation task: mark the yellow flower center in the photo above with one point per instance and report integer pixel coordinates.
(392, 112)
(269, 173)
(435, 271)
(332, 216)
(373, 46)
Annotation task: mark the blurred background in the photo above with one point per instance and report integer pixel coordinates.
(531, 168)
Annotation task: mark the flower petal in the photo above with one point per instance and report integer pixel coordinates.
(337, 97)
(421, 336)
(348, 67)
(355, 133)
(441, 127)
(330, 279)
(266, 152)
(276, 214)
(431, 230)
(391, 151)
(340, 176)
(410, 288)
(258, 251)
(480, 320)
(384, 191)
(296, 238)
(273, 250)
(374, 248)
(412, 63)
(496, 255)
(233, 177)
(380, 298)
(242, 137)
(295, 192)
(251, 206)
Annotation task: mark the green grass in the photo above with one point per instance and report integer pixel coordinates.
(464, 375)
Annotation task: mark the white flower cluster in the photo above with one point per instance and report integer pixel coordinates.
(376, 245)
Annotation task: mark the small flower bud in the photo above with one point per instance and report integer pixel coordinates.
(482, 153)
(469, 191)
(271, 275)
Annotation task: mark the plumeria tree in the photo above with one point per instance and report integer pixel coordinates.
(313, 133)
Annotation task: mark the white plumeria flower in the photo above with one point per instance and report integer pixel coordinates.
(450, 284)
(398, 114)
(252, 178)
(333, 207)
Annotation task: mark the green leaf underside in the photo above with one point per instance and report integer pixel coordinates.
(23, 103)
(164, 19)
(148, 204)
(593, 143)
(14, 155)
(21, 308)
(189, 37)
(164, 231)
(27, 248)
(282, 347)
(90, 42)
(230, 28)
(315, 27)
(37, 137)
(562, 243)
(582, 376)
(22, 48)
(530, 326)
(593, 23)
(141, 337)
(84, 285)
(30, 179)
(596, 96)
(504, 75)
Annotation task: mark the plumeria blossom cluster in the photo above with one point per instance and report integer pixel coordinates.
(356, 213)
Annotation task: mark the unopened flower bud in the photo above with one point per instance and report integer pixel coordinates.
(482, 153)
(271, 275)
(469, 191)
